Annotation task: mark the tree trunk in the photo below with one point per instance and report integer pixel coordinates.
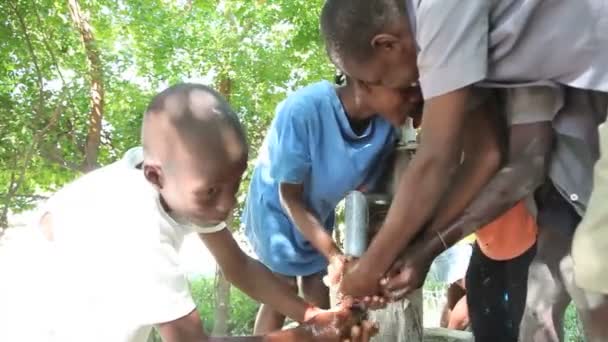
(91, 148)
(222, 304)
(222, 286)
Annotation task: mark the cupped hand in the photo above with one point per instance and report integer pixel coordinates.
(342, 323)
(358, 283)
(405, 276)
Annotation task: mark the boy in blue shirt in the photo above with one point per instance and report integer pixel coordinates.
(321, 145)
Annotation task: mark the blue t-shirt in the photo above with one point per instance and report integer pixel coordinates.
(310, 142)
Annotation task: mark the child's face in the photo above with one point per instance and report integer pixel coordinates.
(389, 66)
(393, 104)
(202, 187)
(385, 82)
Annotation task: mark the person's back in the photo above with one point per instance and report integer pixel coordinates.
(510, 42)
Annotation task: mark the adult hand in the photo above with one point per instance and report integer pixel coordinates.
(358, 283)
(406, 275)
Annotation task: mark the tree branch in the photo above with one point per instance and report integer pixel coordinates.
(30, 48)
(17, 181)
(97, 85)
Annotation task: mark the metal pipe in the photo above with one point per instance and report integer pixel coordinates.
(356, 214)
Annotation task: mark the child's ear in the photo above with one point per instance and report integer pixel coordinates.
(384, 41)
(154, 175)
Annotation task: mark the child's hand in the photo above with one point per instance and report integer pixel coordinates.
(339, 324)
(335, 270)
(374, 302)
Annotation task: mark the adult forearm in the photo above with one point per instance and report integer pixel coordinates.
(511, 184)
(420, 188)
(469, 181)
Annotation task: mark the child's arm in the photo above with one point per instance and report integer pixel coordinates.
(190, 329)
(307, 223)
(254, 278)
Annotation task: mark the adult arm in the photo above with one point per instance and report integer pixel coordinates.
(420, 188)
(484, 148)
(453, 42)
(529, 111)
(530, 146)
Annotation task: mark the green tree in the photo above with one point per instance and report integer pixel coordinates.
(75, 76)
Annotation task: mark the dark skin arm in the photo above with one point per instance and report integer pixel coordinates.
(254, 278)
(529, 152)
(190, 329)
(259, 283)
(291, 196)
(422, 185)
(484, 148)
(292, 201)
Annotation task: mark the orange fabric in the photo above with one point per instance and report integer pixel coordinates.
(510, 235)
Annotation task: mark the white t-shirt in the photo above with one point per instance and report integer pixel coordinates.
(117, 257)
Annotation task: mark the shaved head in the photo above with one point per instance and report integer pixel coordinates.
(189, 119)
(349, 26)
(195, 151)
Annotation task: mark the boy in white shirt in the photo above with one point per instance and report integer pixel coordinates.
(116, 232)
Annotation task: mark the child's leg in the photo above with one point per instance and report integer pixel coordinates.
(454, 294)
(315, 291)
(486, 287)
(547, 297)
(516, 271)
(268, 319)
(459, 318)
(592, 307)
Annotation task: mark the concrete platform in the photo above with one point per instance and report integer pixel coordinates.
(447, 335)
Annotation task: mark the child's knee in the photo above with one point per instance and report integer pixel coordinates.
(313, 281)
(315, 290)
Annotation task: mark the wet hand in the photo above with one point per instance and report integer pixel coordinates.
(335, 270)
(373, 302)
(340, 324)
(405, 276)
(357, 282)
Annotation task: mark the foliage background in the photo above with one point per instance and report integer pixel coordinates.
(253, 51)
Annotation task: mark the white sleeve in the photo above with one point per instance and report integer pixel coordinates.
(209, 229)
(453, 39)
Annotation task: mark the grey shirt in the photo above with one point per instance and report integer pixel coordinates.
(575, 115)
(510, 42)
